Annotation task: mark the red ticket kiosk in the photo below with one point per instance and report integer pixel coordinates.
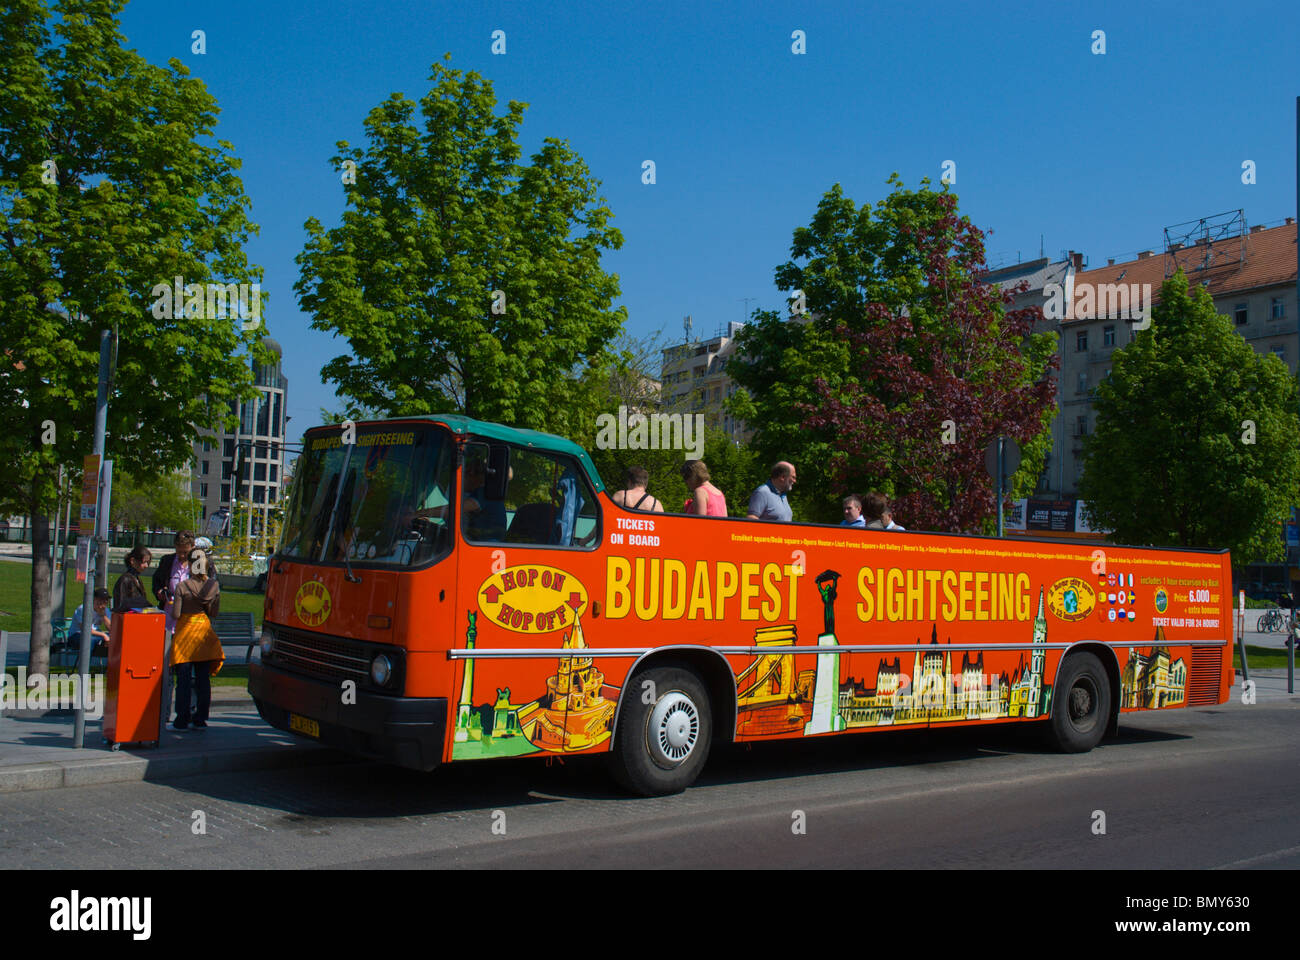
(136, 648)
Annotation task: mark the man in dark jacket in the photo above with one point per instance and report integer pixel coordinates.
(184, 543)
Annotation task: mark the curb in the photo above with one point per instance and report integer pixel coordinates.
(126, 767)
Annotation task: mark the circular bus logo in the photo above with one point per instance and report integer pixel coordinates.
(1071, 599)
(1162, 600)
(312, 603)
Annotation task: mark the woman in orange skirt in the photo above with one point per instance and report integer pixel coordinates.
(196, 650)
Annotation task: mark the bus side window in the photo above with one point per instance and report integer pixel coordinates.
(548, 502)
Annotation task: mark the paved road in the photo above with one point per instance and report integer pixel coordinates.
(1201, 788)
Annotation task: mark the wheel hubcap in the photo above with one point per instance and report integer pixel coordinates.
(1082, 702)
(674, 729)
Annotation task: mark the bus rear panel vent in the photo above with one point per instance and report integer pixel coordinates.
(1203, 678)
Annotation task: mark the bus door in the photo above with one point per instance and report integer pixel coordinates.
(530, 522)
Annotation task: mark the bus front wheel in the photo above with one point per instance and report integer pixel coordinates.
(1081, 704)
(664, 732)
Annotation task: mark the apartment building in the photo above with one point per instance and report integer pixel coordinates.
(1250, 274)
(1041, 276)
(1251, 277)
(694, 379)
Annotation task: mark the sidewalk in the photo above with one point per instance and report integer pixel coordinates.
(1269, 685)
(36, 750)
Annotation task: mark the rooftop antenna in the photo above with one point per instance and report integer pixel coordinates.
(746, 301)
(686, 325)
(1040, 246)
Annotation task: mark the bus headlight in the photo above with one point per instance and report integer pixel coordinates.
(268, 642)
(381, 670)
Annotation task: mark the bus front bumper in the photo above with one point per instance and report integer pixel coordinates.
(407, 731)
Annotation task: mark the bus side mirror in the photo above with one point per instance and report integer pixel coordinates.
(498, 472)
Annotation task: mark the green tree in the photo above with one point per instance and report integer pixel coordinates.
(895, 335)
(351, 411)
(1196, 436)
(462, 280)
(731, 469)
(110, 186)
(153, 501)
(627, 376)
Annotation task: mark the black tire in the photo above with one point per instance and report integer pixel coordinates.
(667, 755)
(1081, 704)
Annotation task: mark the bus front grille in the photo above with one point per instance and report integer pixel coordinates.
(332, 658)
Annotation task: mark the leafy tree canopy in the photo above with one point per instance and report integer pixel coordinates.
(1196, 436)
(147, 502)
(462, 280)
(626, 377)
(110, 185)
(902, 371)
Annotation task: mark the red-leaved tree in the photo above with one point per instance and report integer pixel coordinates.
(933, 377)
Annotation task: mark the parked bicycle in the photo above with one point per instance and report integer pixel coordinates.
(1271, 621)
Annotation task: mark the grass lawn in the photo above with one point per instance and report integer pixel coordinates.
(1261, 658)
(16, 588)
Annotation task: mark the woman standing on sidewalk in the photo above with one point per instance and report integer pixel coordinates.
(196, 649)
(128, 592)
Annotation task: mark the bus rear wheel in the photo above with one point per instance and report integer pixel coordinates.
(1081, 704)
(663, 733)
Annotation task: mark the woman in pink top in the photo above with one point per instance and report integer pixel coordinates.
(705, 500)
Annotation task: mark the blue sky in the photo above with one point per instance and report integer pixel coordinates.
(1093, 152)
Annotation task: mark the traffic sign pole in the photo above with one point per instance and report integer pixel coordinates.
(1002, 469)
(101, 525)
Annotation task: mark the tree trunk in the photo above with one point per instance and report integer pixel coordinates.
(38, 648)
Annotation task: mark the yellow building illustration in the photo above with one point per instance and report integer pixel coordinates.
(1153, 680)
(933, 693)
(578, 715)
(1029, 698)
(573, 714)
(770, 698)
(937, 691)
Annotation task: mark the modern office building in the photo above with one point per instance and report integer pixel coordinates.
(252, 454)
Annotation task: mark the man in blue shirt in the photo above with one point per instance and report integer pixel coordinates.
(100, 621)
(768, 501)
(853, 512)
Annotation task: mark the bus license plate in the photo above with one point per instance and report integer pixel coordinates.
(304, 725)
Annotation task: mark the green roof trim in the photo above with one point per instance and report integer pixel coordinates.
(535, 439)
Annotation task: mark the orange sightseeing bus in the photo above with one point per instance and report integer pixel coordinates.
(447, 590)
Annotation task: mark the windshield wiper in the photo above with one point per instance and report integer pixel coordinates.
(338, 495)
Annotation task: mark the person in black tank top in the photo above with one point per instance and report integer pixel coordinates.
(637, 478)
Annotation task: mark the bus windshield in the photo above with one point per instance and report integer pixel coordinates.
(383, 500)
